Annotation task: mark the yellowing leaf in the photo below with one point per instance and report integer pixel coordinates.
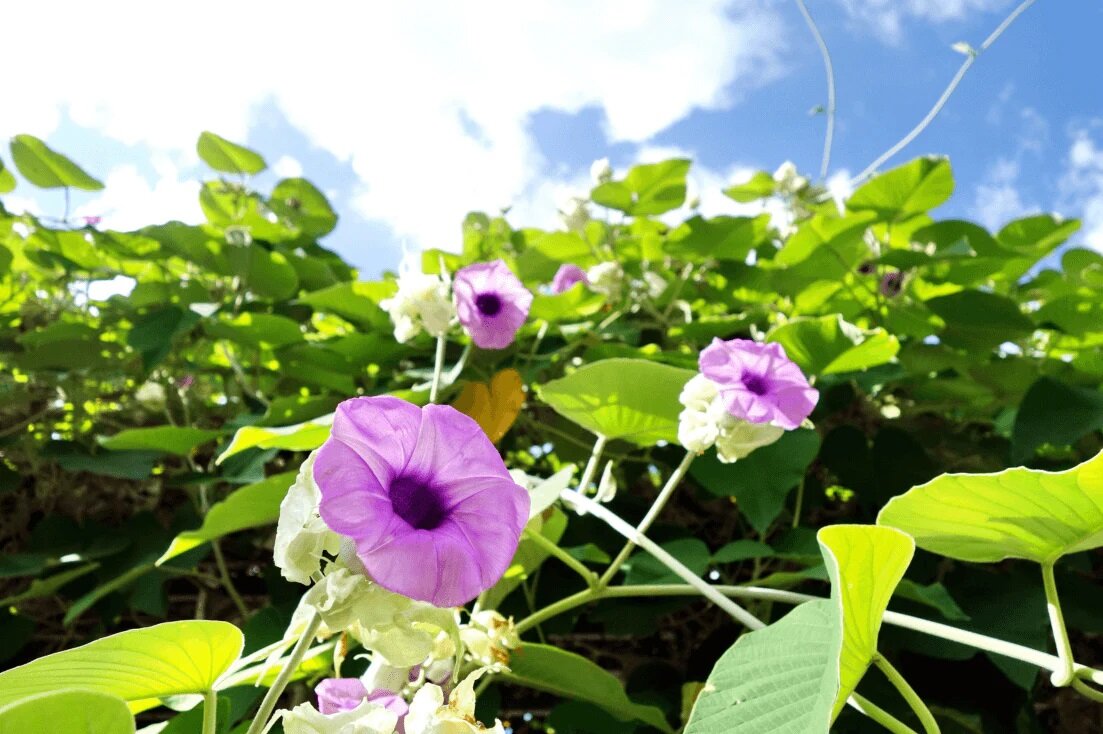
(494, 405)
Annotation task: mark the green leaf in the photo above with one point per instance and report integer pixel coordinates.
(1054, 413)
(152, 334)
(556, 671)
(633, 399)
(1037, 235)
(720, 238)
(299, 437)
(865, 563)
(308, 208)
(257, 330)
(177, 440)
(742, 550)
(49, 585)
(648, 189)
(913, 188)
(47, 168)
(779, 680)
(979, 320)
(222, 155)
(643, 568)
(1015, 513)
(573, 304)
(7, 181)
(829, 345)
(759, 186)
(67, 712)
(251, 506)
(936, 596)
(528, 557)
(163, 660)
(761, 481)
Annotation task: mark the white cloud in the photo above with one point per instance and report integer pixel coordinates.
(287, 167)
(997, 199)
(129, 201)
(1081, 185)
(887, 17)
(429, 104)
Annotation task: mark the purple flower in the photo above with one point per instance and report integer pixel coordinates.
(491, 303)
(424, 496)
(566, 277)
(758, 382)
(344, 694)
(892, 283)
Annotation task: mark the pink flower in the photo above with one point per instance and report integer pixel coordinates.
(423, 494)
(758, 382)
(345, 694)
(566, 277)
(491, 302)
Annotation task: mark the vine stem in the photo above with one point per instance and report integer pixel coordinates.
(946, 94)
(1063, 676)
(829, 70)
(591, 466)
(268, 705)
(438, 368)
(554, 550)
(227, 582)
(652, 514)
(878, 714)
(926, 718)
(744, 617)
(1087, 691)
(210, 712)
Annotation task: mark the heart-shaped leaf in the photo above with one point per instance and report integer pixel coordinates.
(1015, 513)
(222, 155)
(67, 712)
(494, 405)
(46, 168)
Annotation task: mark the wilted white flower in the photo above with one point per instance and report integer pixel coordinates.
(422, 302)
(606, 278)
(705, 422)
(151, 395)
(788, 180)
(490, 638)
(367, 718)
(429, 715)
(301, 535)
(656, 284)
(607, 487)
(600, 171)
(575, 214)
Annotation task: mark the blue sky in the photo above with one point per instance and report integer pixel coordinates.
(409, 118)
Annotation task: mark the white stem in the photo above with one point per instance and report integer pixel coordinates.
(739, 613)
(591, 467)
(829, 69)
(438, 368)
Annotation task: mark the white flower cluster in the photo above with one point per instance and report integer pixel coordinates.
(423, 302)
(606, 278)
(705, 422)
(575, 214)
(788, 180)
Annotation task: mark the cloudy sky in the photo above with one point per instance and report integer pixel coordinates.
(411, 114)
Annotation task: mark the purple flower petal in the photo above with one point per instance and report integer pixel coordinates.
(758, 382)
(340, 694)
(566, 277)
(492, 304)
(424, 496)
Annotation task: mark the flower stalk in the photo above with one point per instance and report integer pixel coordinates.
(272, 697)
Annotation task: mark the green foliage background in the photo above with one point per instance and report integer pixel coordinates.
(136, 430)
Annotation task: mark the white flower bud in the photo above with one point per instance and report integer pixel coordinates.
(600, 171)
(301, 535)
(575, 214)
(705, 421)
(151, 395)
(656, 284)
(788, 180)
(422, 302)
(367, 718)
(606, 278)
(607, 487)
(738, 438)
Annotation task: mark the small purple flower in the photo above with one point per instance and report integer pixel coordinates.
(758, 382)
(867, 268)
(344, 694)
(491, 303)
(424, 496)
(892, 283)
(566, 277)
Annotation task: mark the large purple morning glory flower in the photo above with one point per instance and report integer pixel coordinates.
(424, 496)
(758, 382)
(491, 303)
(566, 277)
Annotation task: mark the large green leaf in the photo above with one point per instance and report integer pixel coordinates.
(299, 437)
(828, 344)
(67, 712)
(152, 662)
(865, 563)
(1016, 513)
(301, 202)
(761, 481)
(566, 674)
(257, 330)
(758, 186)
(910, 189)
(633, 399)
(222, 155)
(979, 320)
(178, 440)
(47, 168)
(250, 506)
(650, 188)
(1054, 413)
(779, 680)
(719, 238)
